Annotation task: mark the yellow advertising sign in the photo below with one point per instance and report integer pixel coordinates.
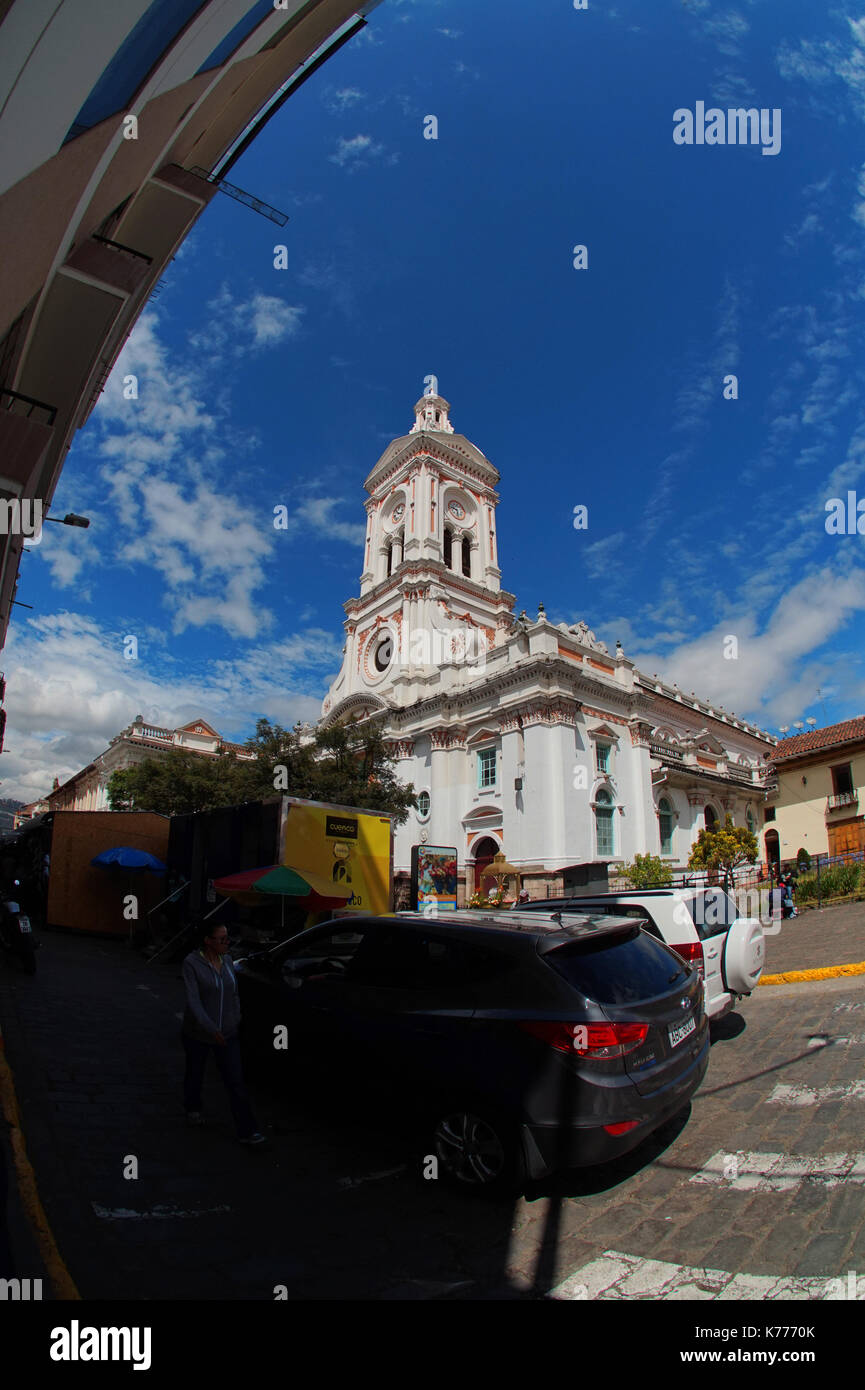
(344, 845)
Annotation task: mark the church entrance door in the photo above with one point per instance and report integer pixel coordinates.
(485, 851)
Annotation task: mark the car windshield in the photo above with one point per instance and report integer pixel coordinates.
(618, 970)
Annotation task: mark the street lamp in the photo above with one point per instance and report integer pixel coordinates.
(70, 519)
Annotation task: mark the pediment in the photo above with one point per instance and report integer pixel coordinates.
(483, 735)
(704, 742)
(603, 731)
(198, 726)
(355, 707)
(482, 814)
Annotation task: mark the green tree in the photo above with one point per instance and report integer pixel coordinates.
(722, 848)
(648, 871)
(177, 782)
(344, 764)
(352, 767)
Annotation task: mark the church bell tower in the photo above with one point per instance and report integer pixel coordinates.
(431, 605)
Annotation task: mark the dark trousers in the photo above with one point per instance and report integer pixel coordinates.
(227, 1059)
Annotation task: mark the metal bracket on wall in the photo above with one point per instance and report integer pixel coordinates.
(241, 196)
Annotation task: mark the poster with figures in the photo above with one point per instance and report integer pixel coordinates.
(434, 878)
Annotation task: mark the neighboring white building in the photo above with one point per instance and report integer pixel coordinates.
(522, 736)
(88, 789)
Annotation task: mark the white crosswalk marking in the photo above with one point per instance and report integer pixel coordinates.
(777, 1172)
(824, 1040)
(614, 1275)
(159, 1213)
(816, 1095)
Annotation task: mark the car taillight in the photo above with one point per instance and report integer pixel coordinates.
(599, 1041)
(692, 952)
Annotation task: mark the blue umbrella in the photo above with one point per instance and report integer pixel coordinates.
(128, 858)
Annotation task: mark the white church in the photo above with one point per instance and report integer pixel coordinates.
(521, 737)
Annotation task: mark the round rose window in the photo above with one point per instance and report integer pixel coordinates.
(383, 653)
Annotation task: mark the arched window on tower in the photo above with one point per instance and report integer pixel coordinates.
(389, 559)
(448, 547)
(467, 556)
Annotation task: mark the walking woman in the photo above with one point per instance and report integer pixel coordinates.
(210, 1025)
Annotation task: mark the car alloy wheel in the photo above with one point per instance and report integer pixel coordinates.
(470, 1149)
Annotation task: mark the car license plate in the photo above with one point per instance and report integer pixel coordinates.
(24, 924)
(677, 1035)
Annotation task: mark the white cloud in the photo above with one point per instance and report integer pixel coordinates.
(70, 690)
(820, 62)
(342, 99)
(161, 455)
(356, 152)
(781, 660)
(269, 319)
(316, 513)
(246, 326)
(169, 407)
(211, 550)
(601, 557)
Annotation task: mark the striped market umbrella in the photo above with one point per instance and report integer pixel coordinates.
(306, 889)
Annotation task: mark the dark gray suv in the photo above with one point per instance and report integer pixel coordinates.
(524, 1042)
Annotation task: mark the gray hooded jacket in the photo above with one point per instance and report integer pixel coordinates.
(212, 1002)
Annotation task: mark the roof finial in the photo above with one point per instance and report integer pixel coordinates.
(431, 411)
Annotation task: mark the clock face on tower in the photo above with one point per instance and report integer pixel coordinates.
(398, 512)
(457, 510)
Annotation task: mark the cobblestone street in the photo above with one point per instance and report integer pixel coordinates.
(336, 1207)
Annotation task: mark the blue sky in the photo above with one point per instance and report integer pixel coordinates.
(603, 386)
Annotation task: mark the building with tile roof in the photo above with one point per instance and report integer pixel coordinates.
(816, 792)
(88, 789)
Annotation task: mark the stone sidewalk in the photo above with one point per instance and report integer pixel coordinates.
(833, 936)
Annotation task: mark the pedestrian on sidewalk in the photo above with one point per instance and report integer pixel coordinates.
(789, 886)
(210, 1026)
(776, 902)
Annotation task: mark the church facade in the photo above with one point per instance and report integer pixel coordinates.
(521, 736)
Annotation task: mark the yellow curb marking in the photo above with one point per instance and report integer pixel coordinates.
(61, 1280)
(826, 972)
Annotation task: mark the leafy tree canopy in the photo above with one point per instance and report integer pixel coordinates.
(343, 764)
(648, 871)
(723, 848)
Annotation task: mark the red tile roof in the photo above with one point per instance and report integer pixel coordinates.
(850, 731)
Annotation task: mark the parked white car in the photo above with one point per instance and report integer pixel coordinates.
(701, 924)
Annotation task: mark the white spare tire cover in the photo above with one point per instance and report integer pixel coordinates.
(744, 956)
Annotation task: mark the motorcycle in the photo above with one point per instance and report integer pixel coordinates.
(16, 933)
